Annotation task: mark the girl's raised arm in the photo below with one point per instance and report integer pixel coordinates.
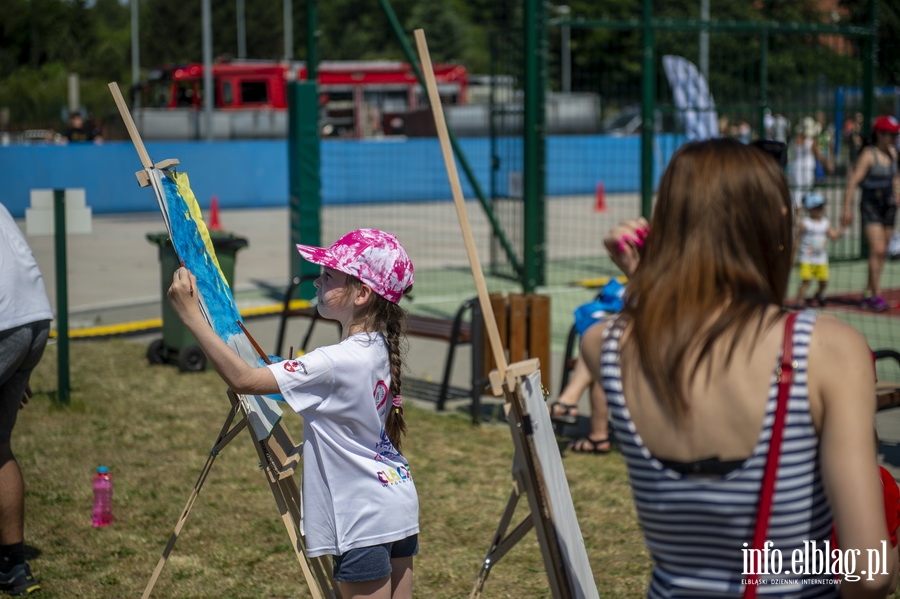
(240, 377)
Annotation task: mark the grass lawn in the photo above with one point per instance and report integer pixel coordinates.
(154, 427)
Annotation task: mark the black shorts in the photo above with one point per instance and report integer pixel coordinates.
(877, 207)
(372, 563)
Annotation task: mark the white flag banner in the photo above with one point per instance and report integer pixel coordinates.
(692, 97)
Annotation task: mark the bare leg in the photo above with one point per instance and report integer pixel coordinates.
(801, 292)
(599, 414)
(579, 380)
(371, 589)
(12, 498)
(401, 578)
(597, 440)
(877, 236)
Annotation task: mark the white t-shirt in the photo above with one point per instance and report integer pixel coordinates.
(802, 171)
(813, 241)
(23, 297)
(357, 490)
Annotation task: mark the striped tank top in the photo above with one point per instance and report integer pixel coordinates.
(696, 528)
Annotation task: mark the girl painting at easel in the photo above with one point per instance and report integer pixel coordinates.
(360, 501)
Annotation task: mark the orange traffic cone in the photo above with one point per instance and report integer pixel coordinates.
(214, 224)
(600, 205)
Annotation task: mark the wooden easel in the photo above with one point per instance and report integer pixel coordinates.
(278, 454)
(537, 466)
(538, 473)
(279, 457)
(528, 479)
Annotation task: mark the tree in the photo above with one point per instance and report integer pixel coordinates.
(888, 14)
(43, 40)
(14, 36)
(445, 30)
(352, 30)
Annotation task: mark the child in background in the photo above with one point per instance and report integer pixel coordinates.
(814, 230)
(360, 503)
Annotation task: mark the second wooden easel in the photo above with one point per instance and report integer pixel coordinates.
(537, 468)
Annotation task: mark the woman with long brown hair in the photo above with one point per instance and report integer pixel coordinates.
(690, 370)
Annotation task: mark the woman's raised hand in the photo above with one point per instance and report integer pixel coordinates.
(624, 242)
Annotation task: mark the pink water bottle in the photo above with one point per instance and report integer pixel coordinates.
(102, 514)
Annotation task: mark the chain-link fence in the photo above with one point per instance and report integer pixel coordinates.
(806, 84)
(602, 79)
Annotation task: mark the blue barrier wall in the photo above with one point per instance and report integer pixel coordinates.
(244, 174)
(241, 174)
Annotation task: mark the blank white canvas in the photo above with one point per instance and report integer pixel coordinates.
(562, 510)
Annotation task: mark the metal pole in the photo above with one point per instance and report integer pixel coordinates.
(496, 229)
(648, 126)
(763, 81)
(304, 156)
(208, 93)
(566, 60)
(534, 248)
(312, 41)
(135, 52)
(870, 61)
(304, 176)
(241, 29)
(288, 30)
(74, 94)
(565, 49)
(704, 40)
(62, 295)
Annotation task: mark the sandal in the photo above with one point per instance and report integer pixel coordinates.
(588, 445)
(563, 413)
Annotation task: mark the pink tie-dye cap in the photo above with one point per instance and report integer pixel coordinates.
(374, 257)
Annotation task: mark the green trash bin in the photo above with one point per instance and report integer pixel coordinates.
(178, 345)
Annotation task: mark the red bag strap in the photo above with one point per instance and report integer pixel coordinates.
(767, 489)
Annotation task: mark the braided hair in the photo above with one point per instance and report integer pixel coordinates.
(389, 319)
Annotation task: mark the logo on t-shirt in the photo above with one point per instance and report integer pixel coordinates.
(381, 393)
(395, 476)
(385, 447)
(294, 366)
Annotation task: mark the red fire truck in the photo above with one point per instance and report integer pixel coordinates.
(355, 98)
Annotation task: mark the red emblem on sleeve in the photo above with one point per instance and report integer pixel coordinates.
(294, 366)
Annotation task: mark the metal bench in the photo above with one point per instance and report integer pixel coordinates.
(887, 392)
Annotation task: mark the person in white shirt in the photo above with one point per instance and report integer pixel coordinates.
(25, 316)
(805, 153)
(359, 499)
(815, 230)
